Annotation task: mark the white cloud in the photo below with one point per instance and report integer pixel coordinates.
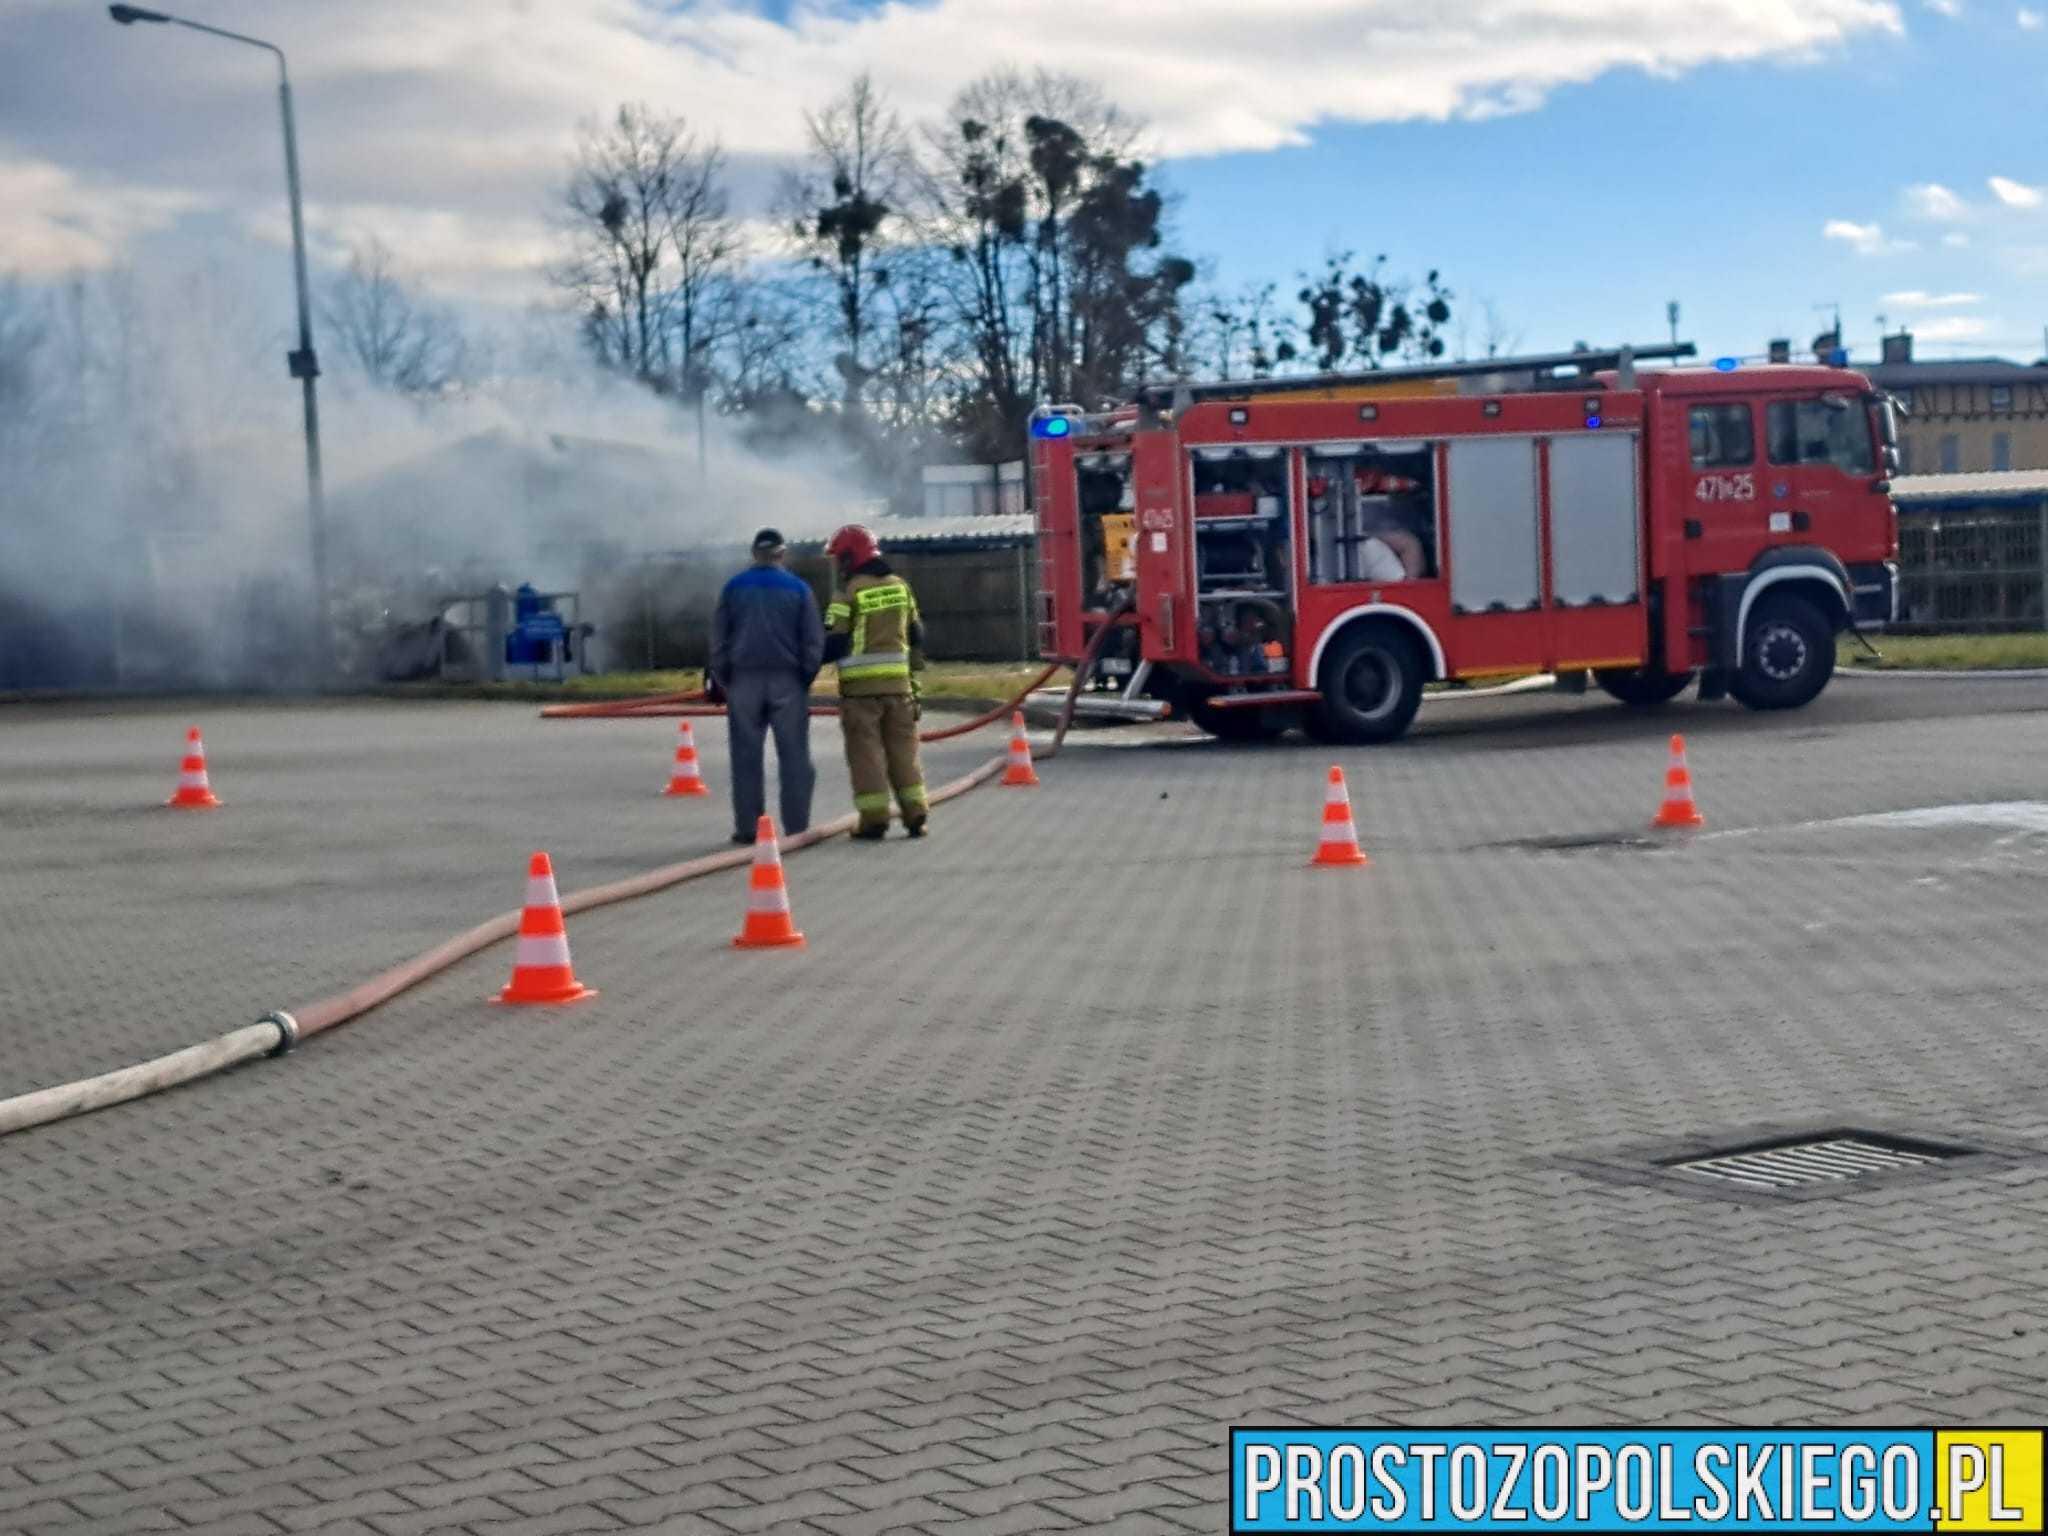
(1182, 64)
(1955, 240)
(465, 109)
(2030, 21)
(1949, 8)
(56, 224)
(1952, 328)
(1936, 203)
(1914, 298)
(1868, 239)
(1933, 201)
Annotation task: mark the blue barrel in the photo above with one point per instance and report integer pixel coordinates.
(535, 627)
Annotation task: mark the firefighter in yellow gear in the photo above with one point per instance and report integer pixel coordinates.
(873, 633)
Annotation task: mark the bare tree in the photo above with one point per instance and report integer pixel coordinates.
(975, 207)
(765, 348)
(1242, 334)
(1057, 283)
(706, 249)
(1365, 318)
(399, 342)
(1493, 338)
(653, 246)
(843, 208)
(913, 346)
(24, 327)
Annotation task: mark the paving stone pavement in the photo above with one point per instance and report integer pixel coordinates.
(1078, 1133)
(355, 836)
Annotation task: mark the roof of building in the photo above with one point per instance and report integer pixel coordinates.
(982, 530)
(1974, 370)
(1996, 485)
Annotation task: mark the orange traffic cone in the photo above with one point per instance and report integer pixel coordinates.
(1340, 837)
(1679, 808)
(1020, 774)
(194, 794)
(686, 780)
(541, 972)
(768, 925)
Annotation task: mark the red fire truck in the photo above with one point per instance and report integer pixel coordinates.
(1314, 551)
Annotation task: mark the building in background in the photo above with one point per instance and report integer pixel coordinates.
(976, 578)
(974, 490)
(1979, 416)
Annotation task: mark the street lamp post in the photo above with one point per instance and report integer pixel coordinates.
(303, 364)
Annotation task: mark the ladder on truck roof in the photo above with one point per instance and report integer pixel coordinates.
(1495, 376)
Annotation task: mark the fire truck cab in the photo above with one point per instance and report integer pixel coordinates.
(1314, 552)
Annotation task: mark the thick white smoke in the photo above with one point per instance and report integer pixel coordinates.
(153, 505)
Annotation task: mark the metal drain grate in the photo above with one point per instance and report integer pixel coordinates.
(1595, 843)
(1817, 1160)
(1779, 1161)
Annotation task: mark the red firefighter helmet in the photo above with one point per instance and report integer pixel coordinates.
(854, 546)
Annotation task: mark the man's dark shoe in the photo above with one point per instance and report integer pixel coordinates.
(744, 839)
(913, 829)
(870, 834)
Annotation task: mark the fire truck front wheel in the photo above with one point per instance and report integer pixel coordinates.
(1788, 654)
(1371, 682)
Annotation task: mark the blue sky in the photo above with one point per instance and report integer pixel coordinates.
(1576, 162)
(1581, 220)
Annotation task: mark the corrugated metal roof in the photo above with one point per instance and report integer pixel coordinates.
(1997, 485)
(994, 527)
(990, 525)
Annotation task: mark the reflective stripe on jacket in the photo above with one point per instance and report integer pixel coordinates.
(876, 613)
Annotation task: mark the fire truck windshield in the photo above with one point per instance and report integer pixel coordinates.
(1832, 430)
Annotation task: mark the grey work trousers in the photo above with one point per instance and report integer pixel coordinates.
(756, 703)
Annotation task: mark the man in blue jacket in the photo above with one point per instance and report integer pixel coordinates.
(767, 644)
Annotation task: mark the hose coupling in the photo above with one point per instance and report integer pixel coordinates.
(287, 1030)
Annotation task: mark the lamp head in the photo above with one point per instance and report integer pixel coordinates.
(128, 15)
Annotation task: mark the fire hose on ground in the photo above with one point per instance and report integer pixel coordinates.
(694, 703)
(278, 1032)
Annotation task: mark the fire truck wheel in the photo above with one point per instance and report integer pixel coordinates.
(1642, 686)
(1788, 654)
(1371, 682)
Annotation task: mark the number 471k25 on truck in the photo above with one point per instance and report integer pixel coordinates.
(1314, 551)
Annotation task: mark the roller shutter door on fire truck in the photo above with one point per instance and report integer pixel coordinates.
(1496, 524)
(1496, 565)
(1594, 518)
